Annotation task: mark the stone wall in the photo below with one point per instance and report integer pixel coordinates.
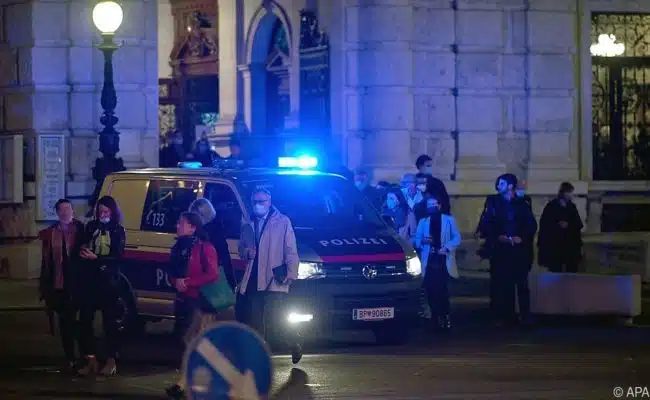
(50, 84)
(482, 86)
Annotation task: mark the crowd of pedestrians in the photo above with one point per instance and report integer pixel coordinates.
(80, 267)
(420, 210)
(80, 276)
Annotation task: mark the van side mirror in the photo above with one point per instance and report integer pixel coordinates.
(390, 221)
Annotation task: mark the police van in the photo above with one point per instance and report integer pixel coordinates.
(354, 272)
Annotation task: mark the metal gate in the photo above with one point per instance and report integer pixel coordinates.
(621, 100)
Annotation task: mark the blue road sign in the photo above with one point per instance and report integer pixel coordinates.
(228, 361)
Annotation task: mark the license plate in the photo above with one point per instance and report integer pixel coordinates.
(373, 314)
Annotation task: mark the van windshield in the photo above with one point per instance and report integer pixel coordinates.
(317, 201)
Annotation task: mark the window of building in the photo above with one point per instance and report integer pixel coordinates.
(166, 200)
(227, 207)
(621, 96)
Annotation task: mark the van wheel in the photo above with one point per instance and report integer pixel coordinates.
(390, 334)
(129, 322)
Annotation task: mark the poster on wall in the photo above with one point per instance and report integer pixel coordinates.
(50, 175)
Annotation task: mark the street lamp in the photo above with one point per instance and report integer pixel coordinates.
(107, 17)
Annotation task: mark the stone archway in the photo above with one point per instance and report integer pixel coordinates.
(266, 73)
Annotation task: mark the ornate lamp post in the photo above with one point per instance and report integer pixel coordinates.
(107, 17)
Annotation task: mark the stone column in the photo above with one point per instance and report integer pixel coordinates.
(231, 38)
(481, 101)
(292, 121)
(252, 75)
(380, 76)
(135, 67)
(553, 102)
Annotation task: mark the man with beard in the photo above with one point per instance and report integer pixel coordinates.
(508, 225)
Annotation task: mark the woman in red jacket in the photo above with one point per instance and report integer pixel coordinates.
(193, 264)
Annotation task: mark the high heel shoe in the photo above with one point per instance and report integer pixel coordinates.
(110, 368)
(91, 367)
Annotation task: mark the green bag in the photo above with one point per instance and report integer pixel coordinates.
(218, 295)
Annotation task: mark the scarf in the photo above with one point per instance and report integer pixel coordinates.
(100, 242)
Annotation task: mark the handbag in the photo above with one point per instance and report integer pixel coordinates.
(218, 295)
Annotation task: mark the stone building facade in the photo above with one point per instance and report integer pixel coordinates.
(50, 85)
(483, 87)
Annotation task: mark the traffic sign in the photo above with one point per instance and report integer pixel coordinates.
(228, 361)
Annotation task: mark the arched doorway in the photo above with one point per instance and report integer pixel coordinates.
(277, 79)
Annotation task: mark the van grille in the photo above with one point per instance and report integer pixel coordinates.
(354, 271)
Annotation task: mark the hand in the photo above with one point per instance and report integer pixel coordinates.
(517, 239)
(443, 251)
(180, 285)
(564, 224)
(88, 255)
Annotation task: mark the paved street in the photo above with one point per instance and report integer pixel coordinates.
(551, 362)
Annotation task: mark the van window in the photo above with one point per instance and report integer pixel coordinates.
(321, 201)
(129, 195)
(166, 200)
(226, 205)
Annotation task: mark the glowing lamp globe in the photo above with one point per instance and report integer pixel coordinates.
(107, 16)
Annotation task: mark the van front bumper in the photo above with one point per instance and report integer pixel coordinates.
(324, 307)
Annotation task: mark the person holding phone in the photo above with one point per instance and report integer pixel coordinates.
(104, 241)
(438, 237)
(268, 244)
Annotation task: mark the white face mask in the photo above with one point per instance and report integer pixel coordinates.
(391, 203)
(427, 170)
(259, 210)
(422, 188)
(105, 220)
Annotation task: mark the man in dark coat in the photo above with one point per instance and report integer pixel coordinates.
(508, 224)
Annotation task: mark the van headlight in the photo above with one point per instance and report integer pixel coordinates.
(414, 266)
(307, 270)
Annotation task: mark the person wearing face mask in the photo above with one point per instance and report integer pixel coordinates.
(560, 241)
(411, 192)
(268, 244)
(438, 237)
(59, 274)
(435, 186)
(508, 225)
(204, 154)
(362, 182)
(194, 264)
(174, 152)
(403, 218)
(101, 252)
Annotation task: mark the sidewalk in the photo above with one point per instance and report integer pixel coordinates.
(19, 295)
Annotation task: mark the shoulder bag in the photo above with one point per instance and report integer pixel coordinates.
(218, 295)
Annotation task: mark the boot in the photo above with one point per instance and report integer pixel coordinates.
(91, 367)
(444, 323)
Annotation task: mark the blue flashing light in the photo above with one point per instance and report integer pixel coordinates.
(190, 164)
(302, 162)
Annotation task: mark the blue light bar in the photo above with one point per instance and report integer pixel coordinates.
(190, 164)
(302, 162)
